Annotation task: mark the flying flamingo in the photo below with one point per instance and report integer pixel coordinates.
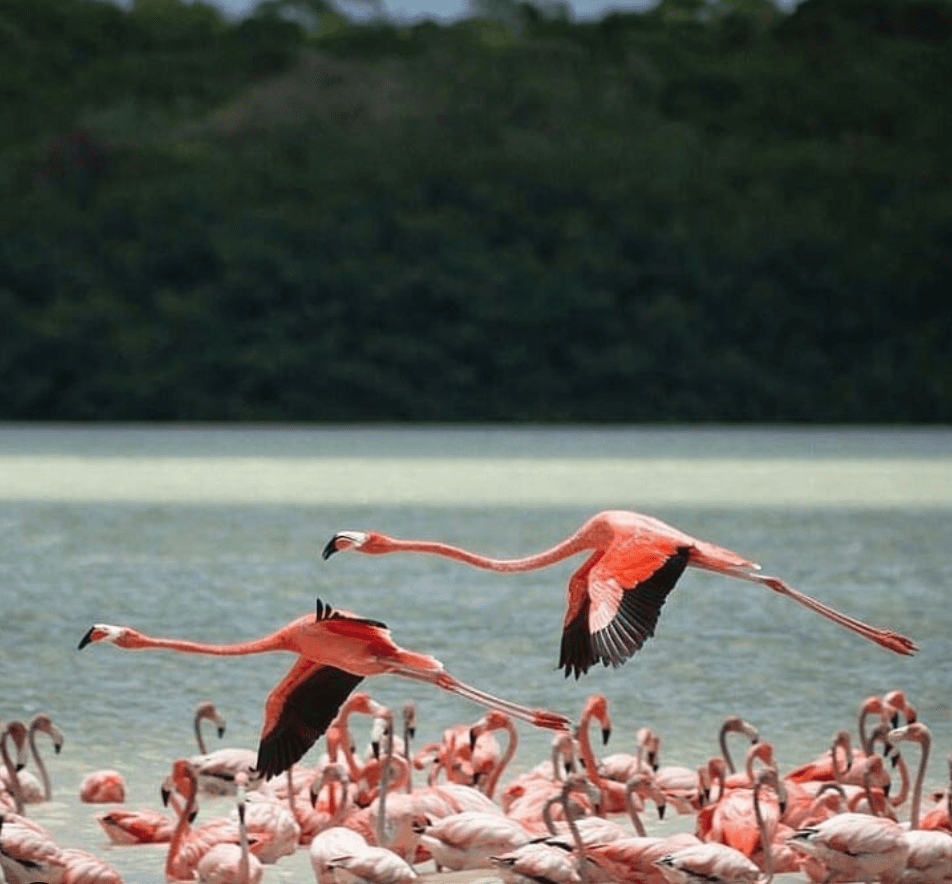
(336, 651)
(615, 598)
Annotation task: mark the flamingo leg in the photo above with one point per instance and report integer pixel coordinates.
(442, 679)
(884, 637)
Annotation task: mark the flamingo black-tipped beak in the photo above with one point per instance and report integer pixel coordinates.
(661, 808)
(330, 549)
(473, 737)
(87, 638)
(221, 732)
(606, 733)
(166, 794)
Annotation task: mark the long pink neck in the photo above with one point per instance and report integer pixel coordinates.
(182, 828)
(13, 779)
(568, 547)
(503, 763)
(277, 641)
(917, 788)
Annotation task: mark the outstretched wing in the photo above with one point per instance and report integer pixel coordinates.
(619, 611)
(298, 711)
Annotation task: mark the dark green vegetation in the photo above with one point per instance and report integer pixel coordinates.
(705, 212)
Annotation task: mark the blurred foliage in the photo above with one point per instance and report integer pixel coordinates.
(710, 211)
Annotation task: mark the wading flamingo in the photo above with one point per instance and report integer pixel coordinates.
(106, 786)
(336, 651)
(11, 791)
(217, 769)
(930, 852)
(27, 852)
(43, 724)
(852, 847)
(227, 863)
(615, 598)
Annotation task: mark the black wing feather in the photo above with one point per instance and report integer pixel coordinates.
(631, 626)
(307, 713)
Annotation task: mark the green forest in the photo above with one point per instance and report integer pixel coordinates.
(712, 210)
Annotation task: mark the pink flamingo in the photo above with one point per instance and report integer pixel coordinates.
(106, 786)
(28, 855)
(851, 846)
(228, 863)
(613, 796)
(11, 791)
(710, 863)
(734, 724)
(615, 598)
(83, 867)
(541, 776)
(929, 860)
(374, 865)
(336, 651)
(488, 759)
(142, 826)
(33, 790)
(632, 860)
(217, 769)
(550, 860)
(467, 840)
(328, 803)
(623, 766)
(187, 845)
(327, 845)
(940, 816)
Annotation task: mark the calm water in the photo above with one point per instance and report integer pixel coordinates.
(216, 534)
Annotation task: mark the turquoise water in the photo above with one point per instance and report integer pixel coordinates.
(215, 534)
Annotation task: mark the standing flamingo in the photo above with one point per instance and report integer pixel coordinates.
(43, 724)
(336, 651)
(228, 863)
(852, 846)
(28, 855)
(709, 863)
(216, 770)
(467, 840)
(11, 792)
(615, 598)
(930, 852)
(187, 845)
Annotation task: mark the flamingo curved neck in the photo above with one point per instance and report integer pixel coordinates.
(179, 834)
(14, 780)
(503, 762)
(40, 766)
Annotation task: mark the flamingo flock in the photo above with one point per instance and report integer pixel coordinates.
(853, 813)
(863, 814)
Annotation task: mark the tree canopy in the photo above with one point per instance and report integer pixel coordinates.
(710, 211)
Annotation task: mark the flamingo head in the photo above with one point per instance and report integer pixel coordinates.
(343, 540)
(104, 632)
